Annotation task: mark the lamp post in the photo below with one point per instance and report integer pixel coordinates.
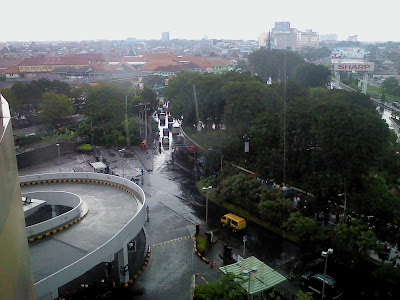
(325, 254)
(248, 273)
(206, 190)
(121, 151)
(59, 157)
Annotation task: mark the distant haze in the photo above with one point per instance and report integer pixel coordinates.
(45, 20)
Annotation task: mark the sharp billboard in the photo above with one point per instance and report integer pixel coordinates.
(368, 67)
(348, 52)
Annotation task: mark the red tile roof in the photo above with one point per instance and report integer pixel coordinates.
(5, 63)
(151, 56)
(199, 60)
(219, 62)
(10, 70)
(177, 68)
(153, 64)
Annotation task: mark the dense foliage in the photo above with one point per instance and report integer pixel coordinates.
(323, 141)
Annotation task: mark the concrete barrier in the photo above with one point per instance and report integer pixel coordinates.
(47, 287)
(56, 198)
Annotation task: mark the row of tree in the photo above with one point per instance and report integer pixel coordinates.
(103, 104)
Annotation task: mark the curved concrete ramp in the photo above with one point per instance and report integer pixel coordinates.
(116, 215)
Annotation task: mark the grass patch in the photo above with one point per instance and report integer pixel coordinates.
(201, 244)
(84, 147)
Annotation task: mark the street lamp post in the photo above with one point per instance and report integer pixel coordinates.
(248, 273)
(59, 157)
(325, 254)
(121, 151)
(206, 189)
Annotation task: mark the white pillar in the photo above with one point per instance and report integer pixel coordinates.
(53, 211)
(122, 262)
(365, 83)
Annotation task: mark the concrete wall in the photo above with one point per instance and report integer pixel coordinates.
(47, 287)
(16, 281)
(56, 198)
(44, 154)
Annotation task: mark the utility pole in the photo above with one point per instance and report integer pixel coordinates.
(197, 109)
(126, 121)
(143, 113)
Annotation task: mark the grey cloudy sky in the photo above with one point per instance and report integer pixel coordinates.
(40, 20)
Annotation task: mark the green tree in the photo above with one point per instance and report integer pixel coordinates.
(304, 295)
(310, 75)
(386, 281)
(311, 235)
(226, 288)
(13, 102)
(391, 86)
(355, 238)
(54, 107)
(28, 95)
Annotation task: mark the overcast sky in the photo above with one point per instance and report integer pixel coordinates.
(44, 20)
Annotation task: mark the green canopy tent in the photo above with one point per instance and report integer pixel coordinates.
(263, 279)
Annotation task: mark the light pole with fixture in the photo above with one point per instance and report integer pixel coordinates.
(206, 189)
(121, 151)
(59, 157)
(325, 254)
(248, 273)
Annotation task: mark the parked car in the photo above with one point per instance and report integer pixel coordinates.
(233, 221)
(314, 282)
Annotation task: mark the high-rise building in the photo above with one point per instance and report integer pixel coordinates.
(16, 281)
(307, 39)
(283, 35)
(165, 36)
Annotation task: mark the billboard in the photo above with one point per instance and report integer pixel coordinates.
(282, 26)
(348, 52)
(356, 66)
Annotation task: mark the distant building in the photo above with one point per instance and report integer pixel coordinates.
(48, 64)
(307, 39)
(173, 69)
(284, 36)
(165, 36)
(328, 37)
(352, 38)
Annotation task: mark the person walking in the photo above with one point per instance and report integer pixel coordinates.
(148, 213)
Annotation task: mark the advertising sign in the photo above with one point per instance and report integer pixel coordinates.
(348, 52)
(356, 66)
(283, 26)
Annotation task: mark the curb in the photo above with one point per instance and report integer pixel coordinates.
(141, 269)
(47, 234)
(198, 253)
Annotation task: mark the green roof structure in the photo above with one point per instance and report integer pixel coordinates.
(262, 280)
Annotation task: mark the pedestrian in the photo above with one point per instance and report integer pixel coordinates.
(148, 213)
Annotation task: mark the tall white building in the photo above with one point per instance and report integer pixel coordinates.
(16, 280)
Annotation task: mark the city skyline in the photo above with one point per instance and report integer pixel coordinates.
(42, 20)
